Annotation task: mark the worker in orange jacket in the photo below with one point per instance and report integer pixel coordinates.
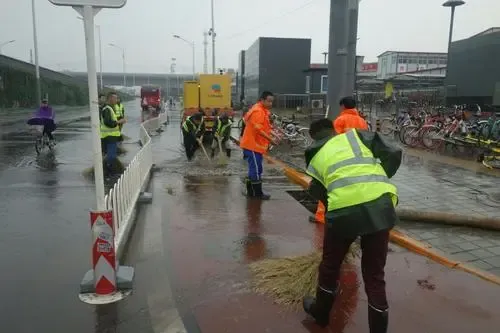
(349, 118)
(255, 143)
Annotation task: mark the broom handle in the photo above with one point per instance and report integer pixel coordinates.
(203, 148)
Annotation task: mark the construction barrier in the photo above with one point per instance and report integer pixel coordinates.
(103, 252)
(397, 237)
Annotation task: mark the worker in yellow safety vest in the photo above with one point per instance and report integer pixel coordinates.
(193, 129)
(351, 174)
(119, 111)
(110, 131)
(223, 133)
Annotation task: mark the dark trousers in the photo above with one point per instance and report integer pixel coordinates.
(374, 249)
(190, 144)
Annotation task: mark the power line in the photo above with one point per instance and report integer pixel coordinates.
(272, 20)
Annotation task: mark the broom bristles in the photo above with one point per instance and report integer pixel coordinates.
(289, 279)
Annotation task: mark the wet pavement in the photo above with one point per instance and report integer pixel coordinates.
(45, 234)
(191, 248)
(200, 233)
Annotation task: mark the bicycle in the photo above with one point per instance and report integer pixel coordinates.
(42, 140)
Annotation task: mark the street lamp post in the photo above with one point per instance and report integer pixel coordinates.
(6, 43)
(212, 33)
(98, 27)
(37, 66)
(192, 46)
(452, 4)
(123, 58)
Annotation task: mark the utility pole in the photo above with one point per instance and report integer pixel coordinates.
(37, 66)
(350, 78)
(337, 53)
(205, 52)
(212, 33)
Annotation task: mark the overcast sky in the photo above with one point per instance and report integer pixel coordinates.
(145, 28)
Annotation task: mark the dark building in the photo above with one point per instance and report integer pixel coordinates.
(473, 73)
(240, 83)
(276, 64)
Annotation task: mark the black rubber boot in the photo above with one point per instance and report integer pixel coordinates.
(250, 189)
(378, 320)
(257, 189)
(212, 154)
(228, 153)
(319, 307)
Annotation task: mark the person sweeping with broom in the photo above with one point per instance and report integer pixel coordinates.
(360, 201)
(349, 118)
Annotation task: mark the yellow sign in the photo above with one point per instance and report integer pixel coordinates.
(191, 95)
(215, 91)
(389, 89)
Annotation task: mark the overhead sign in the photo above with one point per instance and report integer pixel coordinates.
(92, 3)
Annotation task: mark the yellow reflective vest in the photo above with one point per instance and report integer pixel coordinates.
(109, 131)
(350, 172)
(119, 110)
(221, 129)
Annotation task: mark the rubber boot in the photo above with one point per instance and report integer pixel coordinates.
(257, 189)
(319, 307)
(378, 320)
(250, 190)
(212, 154)
(228, 153)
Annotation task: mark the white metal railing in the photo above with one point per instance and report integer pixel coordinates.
(123, 197)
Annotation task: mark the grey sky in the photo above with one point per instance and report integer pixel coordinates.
(145, 27)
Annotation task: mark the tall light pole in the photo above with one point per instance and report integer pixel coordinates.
(37, 66)
(452, 4)
(6, 43)
(98, 27)
(212, 33)
(205, 52)
(192, 46)
(123, 58)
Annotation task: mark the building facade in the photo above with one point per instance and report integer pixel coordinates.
(316, 78)
(473, 75)
(392, 63)
(276, 64)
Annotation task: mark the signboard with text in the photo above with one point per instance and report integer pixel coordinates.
(92, 3)
(369, 67)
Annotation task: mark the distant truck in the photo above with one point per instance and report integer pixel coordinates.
(150, 97)
(210, 94)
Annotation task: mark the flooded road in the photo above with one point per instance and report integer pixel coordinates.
(45, 233)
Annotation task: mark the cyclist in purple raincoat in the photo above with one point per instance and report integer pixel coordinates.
(45, 116)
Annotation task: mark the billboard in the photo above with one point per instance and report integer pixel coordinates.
(215, 91)
(369, 67)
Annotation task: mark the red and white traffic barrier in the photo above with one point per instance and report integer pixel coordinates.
(103, 252)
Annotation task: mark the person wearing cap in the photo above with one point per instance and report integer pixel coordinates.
(350, 174)
(192, 129)
(110, 132)
(223, 134)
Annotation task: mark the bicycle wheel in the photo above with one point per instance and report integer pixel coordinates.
(387, 126)
(431, 137)
(410, 137)
(402, 132)
(38, 145)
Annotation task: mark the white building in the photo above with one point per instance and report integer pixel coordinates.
(392, 63)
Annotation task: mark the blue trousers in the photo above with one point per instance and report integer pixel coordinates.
(254, 161)
(111, 152)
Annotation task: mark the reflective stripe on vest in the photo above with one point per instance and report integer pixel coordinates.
(350, 172)
(221, 129)
(188, 121)
(109, 131)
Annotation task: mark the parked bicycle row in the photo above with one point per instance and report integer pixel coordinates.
(458, 129)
